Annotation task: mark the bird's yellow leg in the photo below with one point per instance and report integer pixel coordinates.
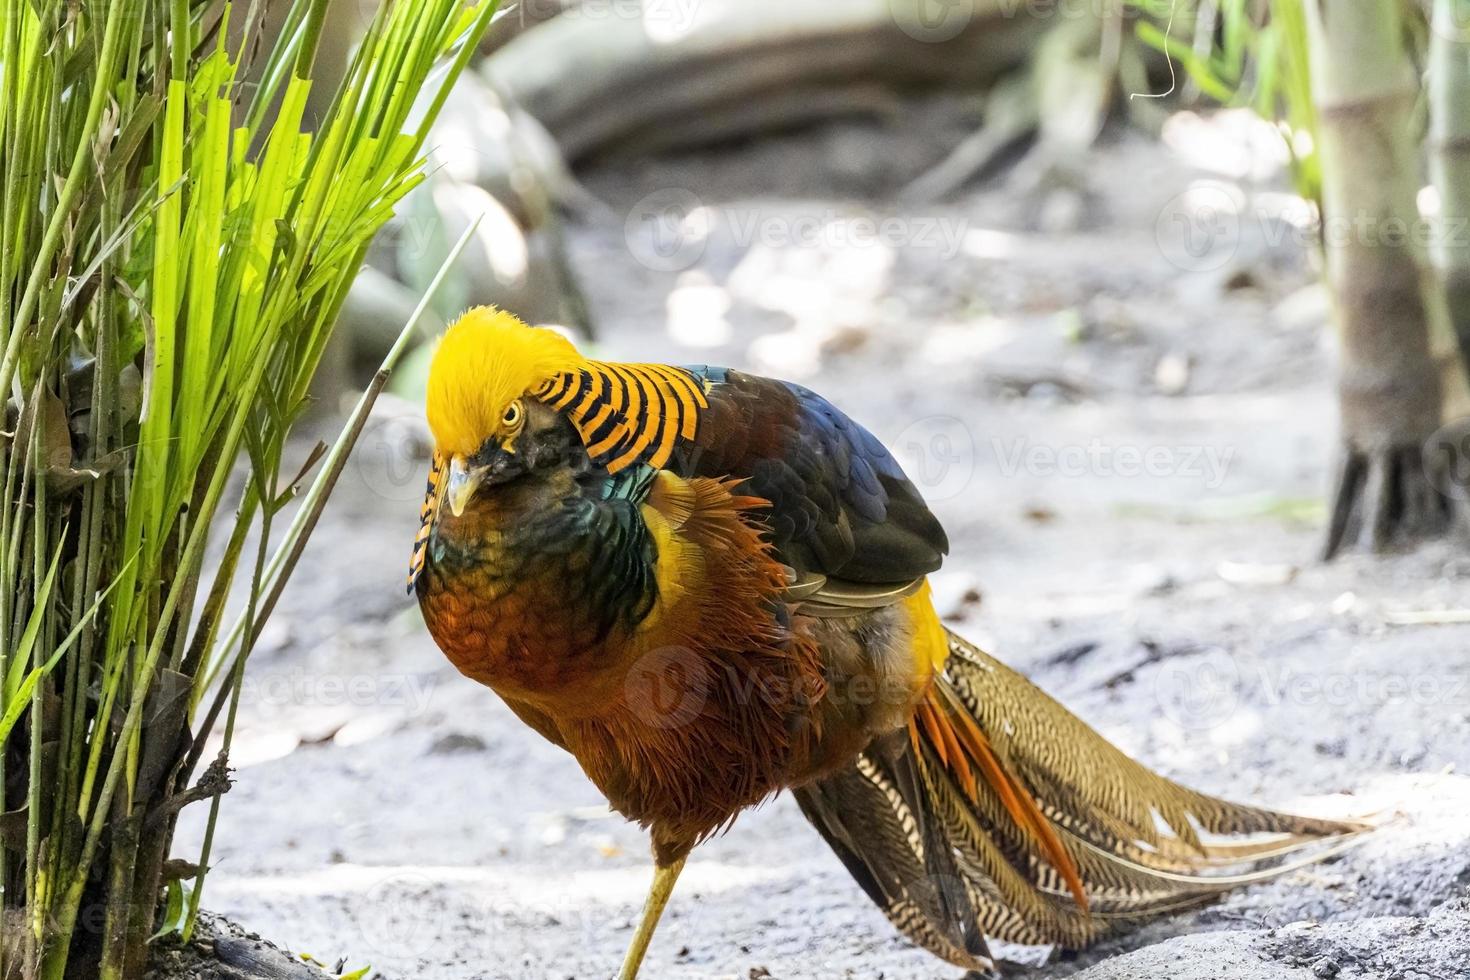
(664, 876)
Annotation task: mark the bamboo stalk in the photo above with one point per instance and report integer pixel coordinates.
(1364, 87)
(1449, 159)
(36, 881)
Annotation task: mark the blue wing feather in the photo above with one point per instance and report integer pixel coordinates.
(840, 504)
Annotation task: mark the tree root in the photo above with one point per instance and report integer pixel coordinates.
(222, 950)
(593, 82)
(516, 18)
(723, 121)
(1012, 115)
(1386, 496)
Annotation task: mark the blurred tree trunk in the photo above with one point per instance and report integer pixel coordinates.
(1384, 291)
(1449, 157)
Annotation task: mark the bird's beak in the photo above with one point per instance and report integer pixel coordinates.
(463, 482)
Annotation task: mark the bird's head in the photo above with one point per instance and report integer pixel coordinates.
(488, 423)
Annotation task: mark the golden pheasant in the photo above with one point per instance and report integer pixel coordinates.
(709, 587)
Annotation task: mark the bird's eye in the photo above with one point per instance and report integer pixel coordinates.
(513, 415)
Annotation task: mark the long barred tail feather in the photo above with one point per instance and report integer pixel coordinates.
(877, 818)
(1001, 814)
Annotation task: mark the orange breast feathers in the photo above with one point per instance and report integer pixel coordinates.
(715, 629)
(717, 576)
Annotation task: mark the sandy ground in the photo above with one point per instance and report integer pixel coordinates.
(1117, 399)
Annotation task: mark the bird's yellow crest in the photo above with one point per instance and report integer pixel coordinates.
(487, 360)
(625, 413)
